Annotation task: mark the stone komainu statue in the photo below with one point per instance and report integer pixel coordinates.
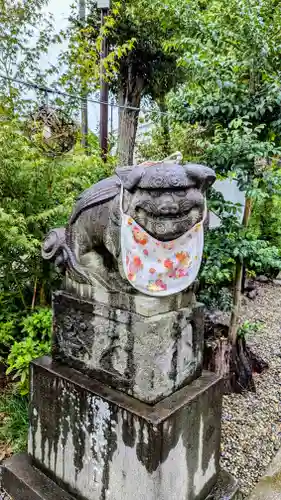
(164, 200)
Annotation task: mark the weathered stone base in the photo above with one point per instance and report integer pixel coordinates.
(147, 356)
(226, 488)
(100, 444)
(24, 482)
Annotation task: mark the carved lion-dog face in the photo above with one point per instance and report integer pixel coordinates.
(166, 200)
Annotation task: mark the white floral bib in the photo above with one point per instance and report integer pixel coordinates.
(160, 268)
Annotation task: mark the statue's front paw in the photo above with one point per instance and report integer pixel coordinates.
(61, 261)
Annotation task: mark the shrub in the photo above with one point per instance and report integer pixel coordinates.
(36, 330)
(266, 220)
(36, 194)
(14, 421)
(223, 246)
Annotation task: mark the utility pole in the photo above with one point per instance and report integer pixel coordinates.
(111, 116)
(104, 5)
(84, 101)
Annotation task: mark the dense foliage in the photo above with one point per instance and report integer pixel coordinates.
(230, 110)
(13, 423)
(36, 193)
(26, 34)
(236, 151)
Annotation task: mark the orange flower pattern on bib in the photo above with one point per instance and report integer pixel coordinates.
(142, 250)
(160, 268)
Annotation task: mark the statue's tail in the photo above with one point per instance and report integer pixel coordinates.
(53, 244)
(55, 249)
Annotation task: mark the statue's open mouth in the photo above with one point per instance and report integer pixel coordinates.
(167, 226)
(171, 217)
(160, 217)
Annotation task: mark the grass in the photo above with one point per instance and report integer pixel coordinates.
(13, 423)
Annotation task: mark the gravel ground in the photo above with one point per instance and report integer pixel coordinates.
(251, 427)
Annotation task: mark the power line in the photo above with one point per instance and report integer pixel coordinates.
(49, 90)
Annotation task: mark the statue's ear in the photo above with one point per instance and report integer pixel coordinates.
(130, 176)
(203, 176)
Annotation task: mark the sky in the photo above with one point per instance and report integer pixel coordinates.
(60, 10)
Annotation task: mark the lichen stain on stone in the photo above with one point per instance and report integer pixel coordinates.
(171, 435)
(197, 323)
(148, 446)
(203, 476)
(174, 476)
(76, 415)
(33, 422)
(128, 429)
(106, 358)
(190, 438)
(173, 430)
(111, 447)
(177, 329)
(56, 424)
(45, 390)
(100, 425)
(130, 371)
(210, 437)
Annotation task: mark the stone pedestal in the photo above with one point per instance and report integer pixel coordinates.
(98, 443)
(123, 411)
(147, 350)
(88, 441)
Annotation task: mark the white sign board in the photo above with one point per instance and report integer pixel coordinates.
(103, 4)
(230, 191)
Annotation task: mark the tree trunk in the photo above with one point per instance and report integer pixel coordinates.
(238, 282)
(129, 97)
(165, 126)
(244, 276)
(127, 136)
(235, 364)
(228, 355)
